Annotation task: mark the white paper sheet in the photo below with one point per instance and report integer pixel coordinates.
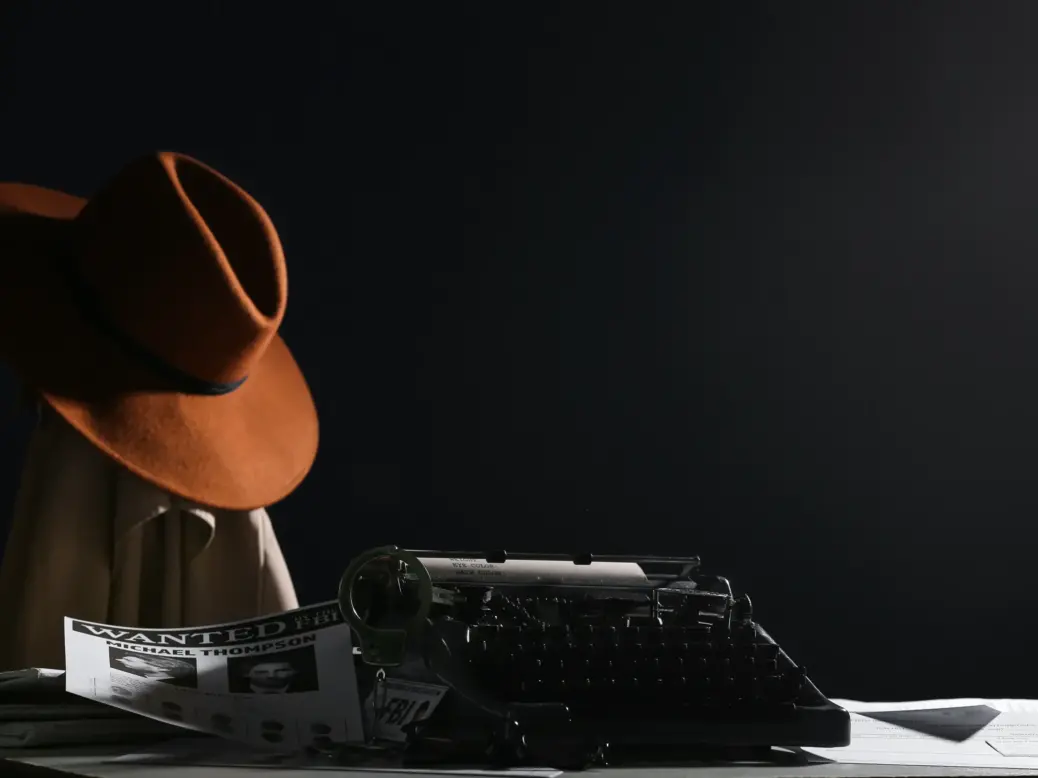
(966, 732)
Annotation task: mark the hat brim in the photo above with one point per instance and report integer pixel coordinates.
(243, 450)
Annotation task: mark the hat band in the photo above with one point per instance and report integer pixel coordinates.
(182, 382)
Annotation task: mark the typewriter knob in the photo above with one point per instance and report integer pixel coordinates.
(742, 610)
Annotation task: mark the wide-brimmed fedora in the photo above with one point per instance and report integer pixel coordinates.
(147, 317)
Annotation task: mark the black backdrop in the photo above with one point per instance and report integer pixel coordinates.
(750, 280)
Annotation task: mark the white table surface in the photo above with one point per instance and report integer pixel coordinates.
(99, 764)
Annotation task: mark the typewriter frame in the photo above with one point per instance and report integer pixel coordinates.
(472, 723)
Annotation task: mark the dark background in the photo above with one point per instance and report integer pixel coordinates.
(749, 280)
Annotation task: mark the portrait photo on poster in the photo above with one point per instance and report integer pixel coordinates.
(282, 672)
(174, 671)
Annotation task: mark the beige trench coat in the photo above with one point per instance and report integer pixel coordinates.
(92, 541)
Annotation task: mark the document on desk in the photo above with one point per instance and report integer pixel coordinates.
(282, 681)
(36, 711)
(211, 753)
(31, 679)
(940, 733)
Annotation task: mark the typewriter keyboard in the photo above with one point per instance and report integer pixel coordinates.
(653, 665)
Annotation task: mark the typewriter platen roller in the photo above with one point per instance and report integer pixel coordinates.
(569, 661)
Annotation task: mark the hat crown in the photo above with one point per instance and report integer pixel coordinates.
(183, 266)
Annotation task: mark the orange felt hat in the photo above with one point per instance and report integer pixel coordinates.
(147, 317)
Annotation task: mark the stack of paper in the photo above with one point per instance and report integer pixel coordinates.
(35, 711)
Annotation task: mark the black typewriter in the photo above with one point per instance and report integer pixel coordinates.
(572, 661)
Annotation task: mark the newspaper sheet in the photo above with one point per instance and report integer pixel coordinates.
(284, 681)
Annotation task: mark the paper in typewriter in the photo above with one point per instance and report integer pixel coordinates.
(283, 681)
